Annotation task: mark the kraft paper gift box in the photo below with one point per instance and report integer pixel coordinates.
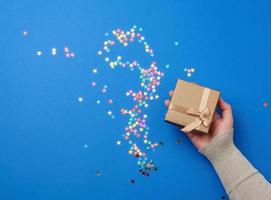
(192, 106)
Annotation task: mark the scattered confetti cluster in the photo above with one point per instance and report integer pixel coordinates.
(189, 71)
(137, 128)
(53, 51)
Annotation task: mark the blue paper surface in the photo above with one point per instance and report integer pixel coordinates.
(52, 146)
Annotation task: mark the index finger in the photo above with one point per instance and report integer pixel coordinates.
(225, 108)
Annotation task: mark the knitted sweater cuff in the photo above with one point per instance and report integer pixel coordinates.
(230, 164)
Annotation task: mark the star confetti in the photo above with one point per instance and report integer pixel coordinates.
(118, 142)
(25, 33)
(39, 53)
(265, 104)
(80, 99)
(95, 71)
(189, 71)
(53, 51)
(99, 173)
(68, 53)
(136, 129)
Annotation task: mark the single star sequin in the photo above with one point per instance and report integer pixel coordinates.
(99, 173)
(94, 70)
(80, 99)
(118, 142)
(39, 53)
(53, 51)
(25, 33)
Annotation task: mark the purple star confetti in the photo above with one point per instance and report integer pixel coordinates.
(136, 130)
(189, 71)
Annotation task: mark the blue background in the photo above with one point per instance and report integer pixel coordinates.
(43, 128)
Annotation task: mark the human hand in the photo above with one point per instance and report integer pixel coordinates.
(221, 123)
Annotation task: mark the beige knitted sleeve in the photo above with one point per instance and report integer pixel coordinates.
(240, 179)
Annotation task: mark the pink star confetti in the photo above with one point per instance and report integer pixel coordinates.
(265, 104)
(68, 53)
(136, 127)
(189, 71)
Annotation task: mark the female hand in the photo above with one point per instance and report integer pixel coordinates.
(220, 124)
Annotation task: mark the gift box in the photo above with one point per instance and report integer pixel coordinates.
(192, 106)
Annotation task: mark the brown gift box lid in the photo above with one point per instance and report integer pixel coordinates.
(189, 95)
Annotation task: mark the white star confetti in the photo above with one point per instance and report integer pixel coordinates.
(80, 99)
(95, 71)
(118, 142)
(189, 71)
(25, 33)
(53, 51)
(39, 53)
